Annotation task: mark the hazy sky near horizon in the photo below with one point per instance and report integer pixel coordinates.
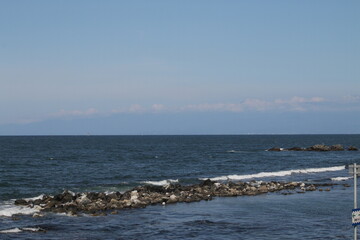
(97, 59)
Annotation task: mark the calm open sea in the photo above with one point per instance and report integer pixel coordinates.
(31, 166)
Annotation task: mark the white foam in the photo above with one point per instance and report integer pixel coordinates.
(18, 230)
(232, 151)
(35, 198)
(162, 182)
(340, 178)
(29, 229)
(13, 230)
(276, 174)
(8, 209)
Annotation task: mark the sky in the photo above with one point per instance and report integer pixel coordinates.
(179, 67)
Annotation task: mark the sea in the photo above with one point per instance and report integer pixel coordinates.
(34, 165)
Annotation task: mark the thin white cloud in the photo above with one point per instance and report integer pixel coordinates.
(299, 100)
(135, 108)
(257, 104)
(212, 107)
(75, 113)
(253, 104)
(158, 107)
(351, 98)
(293, 104)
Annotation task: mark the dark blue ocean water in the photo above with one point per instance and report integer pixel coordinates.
(30, 166)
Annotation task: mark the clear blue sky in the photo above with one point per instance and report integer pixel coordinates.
(211, 65)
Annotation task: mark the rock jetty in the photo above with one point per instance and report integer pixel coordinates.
(99, 203)
(317, 148)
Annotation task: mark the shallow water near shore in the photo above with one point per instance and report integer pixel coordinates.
(30, 166)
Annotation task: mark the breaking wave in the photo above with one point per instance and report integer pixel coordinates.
(340, 178)
(276, 174)
(8, 209)
(18, 230)
(162, 182)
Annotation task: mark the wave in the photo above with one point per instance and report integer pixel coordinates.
(13, 230)
(18, 230)
(232, 151)
(161, 182)
(340, 178)
(276, 174)
(8, 209)
(35, 198)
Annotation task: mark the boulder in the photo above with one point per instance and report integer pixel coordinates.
(21, 202)
(263, 189)
(83, 199)
(319, 148)
(207, 182)
(296, 149)
(153, 188)
(352, 148)
(274, 149)
(98, 203)
(64, 197)
(337, 147)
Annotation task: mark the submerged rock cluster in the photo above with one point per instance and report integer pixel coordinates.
(317, 148)
(98, 203)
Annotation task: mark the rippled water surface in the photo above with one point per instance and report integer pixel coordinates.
(30, 166)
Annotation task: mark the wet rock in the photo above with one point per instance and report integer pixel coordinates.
(310, 188)
(352, 148)
(337, 147)
(287, 193)
(113, 195)
(64, 197)
(142, 196)
(172, 199)
(98, 214)
(38, 215)
(292, 185)
(83, 199)
(263, 189)
(71, 213)
(319, 148)
(153, 188)
(21, 202)
(274, 149)
(207, 182)
(296, 149)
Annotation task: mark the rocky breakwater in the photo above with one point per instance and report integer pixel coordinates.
(316, 148)
(99, 203)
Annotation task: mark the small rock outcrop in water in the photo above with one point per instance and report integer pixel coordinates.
(319, 148)
(352, 148)
(275, 149)
(98, 203)
(316, 148)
